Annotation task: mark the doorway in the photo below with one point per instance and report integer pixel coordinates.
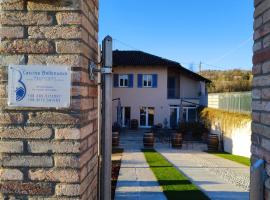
(174, 116)
(126, 114)
(147, 116)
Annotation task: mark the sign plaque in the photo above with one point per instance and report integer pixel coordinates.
(39, 86)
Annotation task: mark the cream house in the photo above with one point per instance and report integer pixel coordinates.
(153, 90)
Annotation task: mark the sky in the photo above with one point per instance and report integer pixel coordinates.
(217, 33)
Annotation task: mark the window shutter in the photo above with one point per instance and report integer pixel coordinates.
(130, 80)
(155, 79)
(116, 80)
(139, 80)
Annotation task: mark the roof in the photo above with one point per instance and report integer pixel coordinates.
(140, 58)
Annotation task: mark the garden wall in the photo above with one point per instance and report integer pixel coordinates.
(234, 130)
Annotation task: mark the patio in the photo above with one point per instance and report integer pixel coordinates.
(218, 178)
(133, 139)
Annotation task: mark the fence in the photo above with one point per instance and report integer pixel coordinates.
(232, 101)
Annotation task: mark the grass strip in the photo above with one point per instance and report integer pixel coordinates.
(239, 159)
(175, 185)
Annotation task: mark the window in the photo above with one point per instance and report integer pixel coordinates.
(123, 80)
(147, 116)
(147, 80)
(190, 114)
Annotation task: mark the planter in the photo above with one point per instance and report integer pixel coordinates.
(148, 140)
(134, 124)
(177, 140)
(212, 142)
(115, 139)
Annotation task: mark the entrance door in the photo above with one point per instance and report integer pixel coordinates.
(147, 115)
(126, 116)
(174, 116)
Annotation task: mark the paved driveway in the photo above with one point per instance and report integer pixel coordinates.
(218, 178)
(136, 180)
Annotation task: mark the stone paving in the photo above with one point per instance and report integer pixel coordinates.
(218, 178)
(136, 180)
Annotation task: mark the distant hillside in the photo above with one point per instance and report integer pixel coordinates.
(228, 81)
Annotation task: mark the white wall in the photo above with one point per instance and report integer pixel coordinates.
(237, 141)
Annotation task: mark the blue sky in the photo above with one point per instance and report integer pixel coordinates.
(216, 32)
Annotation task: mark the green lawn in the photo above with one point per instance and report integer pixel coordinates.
(175, 185)
(239, 159)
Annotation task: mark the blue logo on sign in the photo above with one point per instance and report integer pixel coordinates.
(20, 89)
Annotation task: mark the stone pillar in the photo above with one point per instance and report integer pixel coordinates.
(49, 154)
(261, 87)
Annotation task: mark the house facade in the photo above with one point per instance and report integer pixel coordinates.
(154, 90)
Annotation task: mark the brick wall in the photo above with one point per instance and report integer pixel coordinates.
(261, 87)
(49, 154)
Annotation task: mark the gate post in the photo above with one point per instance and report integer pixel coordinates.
(49, 153)
(261, 97)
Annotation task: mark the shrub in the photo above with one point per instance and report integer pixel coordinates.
(225, 118)
(197, 129)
